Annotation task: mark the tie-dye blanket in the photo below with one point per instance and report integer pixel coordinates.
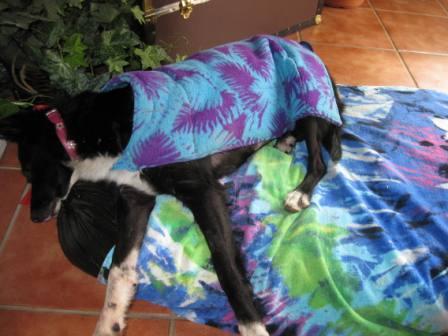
(368, 257)
(235, 95)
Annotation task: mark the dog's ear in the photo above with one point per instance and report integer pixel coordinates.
(12, 128)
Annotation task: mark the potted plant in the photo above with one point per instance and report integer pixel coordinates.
(52, 47)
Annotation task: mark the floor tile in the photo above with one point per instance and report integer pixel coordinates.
(356, 66)
(352, 27)
(34, 272)
(365, 4)
(444, 3)
(186, 328)
(20, 323)
(429, 7)
(413, 32)
(9, 158)
(430, 71)
(12, 184)
(294, 36)
(138, 327)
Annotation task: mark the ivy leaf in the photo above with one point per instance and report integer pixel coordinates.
(122, 37)
(97, 82)
(74, 49)
(138, 14)
(180, 58)
(116, 64)
(76, 83)
(103, 12)
(151, 56)
(116, 43)
(56, 67)
(75, 3)
(16, 20)
(7, 108)
(56, 33)
(52, 7)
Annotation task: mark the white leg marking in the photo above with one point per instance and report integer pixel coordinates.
(120, 292)
(253, 329)
(296, 201)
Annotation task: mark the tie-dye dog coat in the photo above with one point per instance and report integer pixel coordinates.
(227, 97)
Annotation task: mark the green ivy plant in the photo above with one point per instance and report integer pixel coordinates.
(79, 44)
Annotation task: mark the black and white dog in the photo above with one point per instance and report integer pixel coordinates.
(101, 124)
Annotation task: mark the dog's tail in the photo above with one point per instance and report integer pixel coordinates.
(307, 45)
(87, 224)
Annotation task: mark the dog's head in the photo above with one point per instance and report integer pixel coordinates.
(42, 160)
(99, 123)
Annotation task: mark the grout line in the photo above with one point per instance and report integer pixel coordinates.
(13, 219)
(380, 49)
(430, 53)
(135, 315)
(411, 13)
(10, 168)
(400, 56)
(443, 6)
(342, 45)
(172, 328)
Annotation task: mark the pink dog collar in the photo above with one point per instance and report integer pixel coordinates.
(70, 146)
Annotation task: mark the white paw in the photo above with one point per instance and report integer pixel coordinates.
(296, 201)
(109, 327)
(253, 329)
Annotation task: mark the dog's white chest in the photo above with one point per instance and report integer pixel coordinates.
(100, 169)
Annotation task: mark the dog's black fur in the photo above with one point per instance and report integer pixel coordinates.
(101, 124)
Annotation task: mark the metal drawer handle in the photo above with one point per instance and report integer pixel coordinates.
(185, 7)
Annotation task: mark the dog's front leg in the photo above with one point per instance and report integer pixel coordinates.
(207, 202)
(133, 211)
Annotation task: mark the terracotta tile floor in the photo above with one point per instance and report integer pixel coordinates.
(385, 42)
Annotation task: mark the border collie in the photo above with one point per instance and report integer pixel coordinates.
(220, 84)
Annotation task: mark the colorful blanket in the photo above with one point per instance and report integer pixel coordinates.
(368, 257)
(231, 96)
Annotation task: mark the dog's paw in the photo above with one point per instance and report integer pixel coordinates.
(296, 201)
(109, 327)
(253, 329)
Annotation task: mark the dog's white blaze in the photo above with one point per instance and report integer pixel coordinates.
(99, 168)
(120, 292)
(253, 329)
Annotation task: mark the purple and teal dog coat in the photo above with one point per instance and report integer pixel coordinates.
(231, 96)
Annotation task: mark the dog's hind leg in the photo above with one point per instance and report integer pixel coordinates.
(211, 214)
(194, 184)
(133, 211)
(332, 143)
(300, 198)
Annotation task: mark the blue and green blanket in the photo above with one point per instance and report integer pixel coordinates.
(368, 257)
